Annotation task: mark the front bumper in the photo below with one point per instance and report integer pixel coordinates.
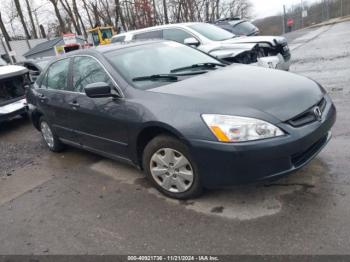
(221, 164)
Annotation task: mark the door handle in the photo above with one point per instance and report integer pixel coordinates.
(42, 97)
(74, 104)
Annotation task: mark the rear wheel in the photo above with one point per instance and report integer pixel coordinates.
(168, 164)
(52, 141)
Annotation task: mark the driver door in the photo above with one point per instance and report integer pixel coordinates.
(100, 123)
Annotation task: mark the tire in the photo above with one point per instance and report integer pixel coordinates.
(51, 140)
(24, 115)
(177, 178)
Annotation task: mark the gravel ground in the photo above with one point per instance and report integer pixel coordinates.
(75, 202)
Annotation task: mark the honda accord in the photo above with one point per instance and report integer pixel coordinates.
(183, 117)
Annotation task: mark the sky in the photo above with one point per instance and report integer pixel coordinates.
(263, 8)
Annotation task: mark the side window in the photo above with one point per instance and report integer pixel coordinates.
(118, 39)
(149, 35)
(87, 70)
(177, 35)
(57, 76)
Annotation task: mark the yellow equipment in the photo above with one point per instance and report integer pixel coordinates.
(100, 35)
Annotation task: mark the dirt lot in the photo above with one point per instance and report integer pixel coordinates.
(79, 203)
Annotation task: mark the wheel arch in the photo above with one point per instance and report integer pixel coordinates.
(35, 117)
(150, 131)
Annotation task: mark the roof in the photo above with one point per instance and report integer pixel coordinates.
(43, 46)
(147, 29)
(46, 46)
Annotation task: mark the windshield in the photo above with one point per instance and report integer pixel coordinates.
(154, 59)
(244, 28)
(211, 32)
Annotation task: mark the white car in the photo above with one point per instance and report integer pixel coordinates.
(12, 91)
(216, 42)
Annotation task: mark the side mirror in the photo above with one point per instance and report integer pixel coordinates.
(99, 89)
(191, 41)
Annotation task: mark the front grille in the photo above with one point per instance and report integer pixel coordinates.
(308, 116)
(300, 158)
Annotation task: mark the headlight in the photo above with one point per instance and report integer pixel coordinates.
(239, 129)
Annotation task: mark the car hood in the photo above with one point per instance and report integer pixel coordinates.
(280, 94)
(223, 49)
(258, 39)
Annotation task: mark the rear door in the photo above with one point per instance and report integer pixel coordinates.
(100, 123)
(55, 98)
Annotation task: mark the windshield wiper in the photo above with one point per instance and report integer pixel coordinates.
(168, 77)
(200, 65)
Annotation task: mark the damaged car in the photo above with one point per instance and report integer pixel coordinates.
(246, 32)
(35, 66)
(207, 38)
(13, 80)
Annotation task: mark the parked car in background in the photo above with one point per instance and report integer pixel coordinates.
(12, 91)
(238, 26)
(209, 39)
(188, 120)
(246, 32)
(35, 66)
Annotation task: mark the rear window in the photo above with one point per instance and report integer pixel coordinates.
(244, 28)
(11, 88)
(118, 39)
(158, 34)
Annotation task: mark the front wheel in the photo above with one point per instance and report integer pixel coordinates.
(168, 164)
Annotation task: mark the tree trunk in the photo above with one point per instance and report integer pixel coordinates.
(29, 9)
(96, 15)
(217, 9)
(20, 14)
(78, 17)
(58, 15)
(69, 11)
(119, 13)
(154, 13)
(4, 31)
(88, 14)
(165, 8)
(42, 30)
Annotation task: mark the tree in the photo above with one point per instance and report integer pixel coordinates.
(3, 30)
(165, 8)
(29, 9)
(70, 13)
(78, 17)
(119, 14)
(21, 17)
(62, 27)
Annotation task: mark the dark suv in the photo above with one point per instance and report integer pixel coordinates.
(238, 26)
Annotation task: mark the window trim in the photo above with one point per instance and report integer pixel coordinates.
(70, 75)
(116, 86)
(48, 70)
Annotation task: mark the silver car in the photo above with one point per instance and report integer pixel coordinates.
(217, 42)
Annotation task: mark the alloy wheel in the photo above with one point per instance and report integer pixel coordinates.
(47, 134)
